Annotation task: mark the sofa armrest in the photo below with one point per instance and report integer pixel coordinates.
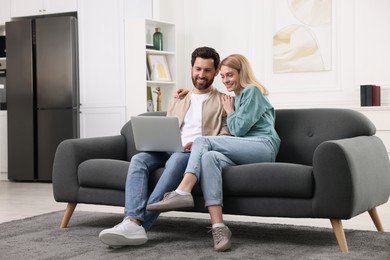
(72, 152)
(351, 176)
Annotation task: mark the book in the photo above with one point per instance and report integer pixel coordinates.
(363, 101)
(370, 95)
(149, 100)
(366, 95)
(376, 95)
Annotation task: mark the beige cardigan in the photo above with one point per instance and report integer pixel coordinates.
(213, 117)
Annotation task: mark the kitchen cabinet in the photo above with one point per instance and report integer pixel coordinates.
(5, 12)
(102, 63)
(21, 8)
(139, 34)
(95, 122)
(101, 67)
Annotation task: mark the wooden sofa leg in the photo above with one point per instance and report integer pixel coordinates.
(339, 233)
(68, 214)
(375, 218)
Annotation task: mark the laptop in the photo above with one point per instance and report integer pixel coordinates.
(156, 134)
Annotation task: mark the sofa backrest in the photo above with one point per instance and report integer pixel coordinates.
(302, 130)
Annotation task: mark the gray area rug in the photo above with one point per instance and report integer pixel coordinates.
(40, 237)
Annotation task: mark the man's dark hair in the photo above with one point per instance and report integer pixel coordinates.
(206, 53)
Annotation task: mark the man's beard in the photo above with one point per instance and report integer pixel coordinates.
(204, 86)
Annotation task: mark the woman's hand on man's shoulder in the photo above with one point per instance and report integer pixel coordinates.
(181, 93)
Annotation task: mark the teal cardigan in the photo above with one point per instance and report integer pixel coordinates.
(254, 116)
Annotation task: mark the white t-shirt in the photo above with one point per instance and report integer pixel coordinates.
(192, 124)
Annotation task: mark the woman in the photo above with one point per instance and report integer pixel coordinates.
(251, 121)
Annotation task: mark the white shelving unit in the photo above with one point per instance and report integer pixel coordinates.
(139, 34)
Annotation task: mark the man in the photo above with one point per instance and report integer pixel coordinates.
(200, 113)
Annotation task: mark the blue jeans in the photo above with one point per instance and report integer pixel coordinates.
(211, 154)
(142, 165)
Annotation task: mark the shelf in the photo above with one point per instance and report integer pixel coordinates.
(168, 31)
(160, 82)
(153, 22)
(148, 51)
(373, 108)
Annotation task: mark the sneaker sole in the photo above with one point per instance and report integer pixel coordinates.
(162, 210)
(225, 247)
(117, 240)
(165, 208)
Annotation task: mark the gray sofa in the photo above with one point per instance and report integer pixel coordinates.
(329, 166)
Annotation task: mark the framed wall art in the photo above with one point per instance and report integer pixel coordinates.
(158, 67)
(302, 41)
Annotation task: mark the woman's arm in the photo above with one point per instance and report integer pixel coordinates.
(249, 108)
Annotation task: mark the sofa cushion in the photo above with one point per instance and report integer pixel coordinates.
(103, 173)
(251, 180)
(269, 180)
(260, 180)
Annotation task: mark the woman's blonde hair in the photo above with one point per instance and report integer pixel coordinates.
(242, 65)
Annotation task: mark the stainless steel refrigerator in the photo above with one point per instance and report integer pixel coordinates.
(42, 93)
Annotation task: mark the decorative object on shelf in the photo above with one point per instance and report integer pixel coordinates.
(149, 46)
(158, 39)
(370, 95)
(148, 76)
(159, 67)
(159, 99)
(149, 97)
(153, 73)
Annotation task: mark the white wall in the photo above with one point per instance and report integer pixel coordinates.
(360, 47)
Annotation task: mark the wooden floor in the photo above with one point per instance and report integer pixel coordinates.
(19, 200)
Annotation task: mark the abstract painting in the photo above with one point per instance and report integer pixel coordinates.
(302, 41)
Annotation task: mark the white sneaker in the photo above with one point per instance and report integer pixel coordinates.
(126, 233)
